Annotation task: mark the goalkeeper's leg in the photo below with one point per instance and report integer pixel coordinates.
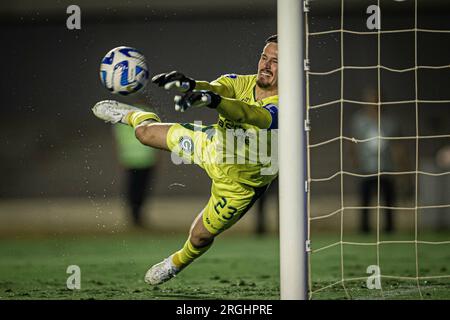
(228, 203)
(199, 241)
(148, 129)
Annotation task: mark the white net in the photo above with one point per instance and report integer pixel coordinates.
(412, 262)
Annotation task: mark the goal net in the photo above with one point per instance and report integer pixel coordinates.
(378, 156)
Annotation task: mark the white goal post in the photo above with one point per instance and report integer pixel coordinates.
(292, 151)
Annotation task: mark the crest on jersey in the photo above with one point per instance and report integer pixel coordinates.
(186, 144)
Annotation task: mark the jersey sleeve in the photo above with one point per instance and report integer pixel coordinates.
(228, 85)
(273, 110)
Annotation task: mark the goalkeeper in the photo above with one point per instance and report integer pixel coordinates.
(245, 104)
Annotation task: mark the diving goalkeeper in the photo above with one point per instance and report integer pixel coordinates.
(246, 104)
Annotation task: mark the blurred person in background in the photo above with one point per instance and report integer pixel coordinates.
(365, 157)
(442, 222)
(262, 210)
(443, 157)
(138, 162)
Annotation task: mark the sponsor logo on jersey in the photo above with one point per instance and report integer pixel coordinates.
(228, 124)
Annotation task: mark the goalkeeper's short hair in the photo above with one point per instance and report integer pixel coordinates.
(273, 38)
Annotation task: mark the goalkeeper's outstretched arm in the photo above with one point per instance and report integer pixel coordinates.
(220, 89)
(217, 96)
(241, 112)
(232, 109)
(179, 81)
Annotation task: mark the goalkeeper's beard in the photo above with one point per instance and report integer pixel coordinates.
(262, 85)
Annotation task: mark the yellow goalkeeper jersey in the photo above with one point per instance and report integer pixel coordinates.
(250, 159)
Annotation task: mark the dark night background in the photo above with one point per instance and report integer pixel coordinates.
(52, 145)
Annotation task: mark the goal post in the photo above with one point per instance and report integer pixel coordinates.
(292, 151)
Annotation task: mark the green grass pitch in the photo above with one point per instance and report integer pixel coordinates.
(236, 267)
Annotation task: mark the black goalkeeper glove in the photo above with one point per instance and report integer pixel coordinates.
(174, 79)
(202, 98)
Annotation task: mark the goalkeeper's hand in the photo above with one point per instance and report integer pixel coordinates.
(174, 79)
(202, 98)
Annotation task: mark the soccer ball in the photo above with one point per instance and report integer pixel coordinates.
(124, 71)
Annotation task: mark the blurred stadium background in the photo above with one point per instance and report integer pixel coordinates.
(60, 173)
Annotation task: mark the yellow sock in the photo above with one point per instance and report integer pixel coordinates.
(135, 118)
(188, 254)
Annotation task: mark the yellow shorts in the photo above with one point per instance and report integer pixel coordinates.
(229, 200)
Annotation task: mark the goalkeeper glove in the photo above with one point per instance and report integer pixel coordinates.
(202, 98)
(174, 79)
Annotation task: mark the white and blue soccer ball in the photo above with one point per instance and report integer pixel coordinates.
(124, 70)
